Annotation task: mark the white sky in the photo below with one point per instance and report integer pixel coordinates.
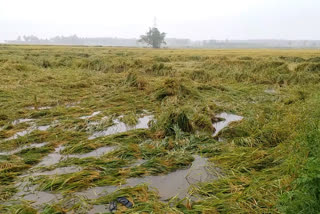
(200, 19)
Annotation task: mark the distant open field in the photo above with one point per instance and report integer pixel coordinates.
(82, 126)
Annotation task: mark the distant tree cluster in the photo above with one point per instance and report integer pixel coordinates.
(74, 40)
(153, 38)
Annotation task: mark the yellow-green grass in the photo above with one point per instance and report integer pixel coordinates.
(268, 159)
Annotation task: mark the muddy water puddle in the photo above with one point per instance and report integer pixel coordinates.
(96, 153)
(32, 128)
(173, 184)
(120, 127)
(38, 197)
(228, 119)
(52, 158)
(41, 197)
(56, 156)
(99, 209)
(19, 134)
(19, 121)
(28, 131)
(58, 171)
(29, 193)
(35, 145)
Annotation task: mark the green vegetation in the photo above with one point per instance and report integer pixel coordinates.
(269, 160)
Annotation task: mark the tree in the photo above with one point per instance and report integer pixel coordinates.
(153, 37)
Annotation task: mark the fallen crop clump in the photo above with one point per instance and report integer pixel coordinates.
(169, 120)
(175, 90)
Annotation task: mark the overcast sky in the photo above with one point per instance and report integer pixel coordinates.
(194, 19)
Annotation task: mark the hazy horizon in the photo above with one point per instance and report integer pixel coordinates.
(195, 20)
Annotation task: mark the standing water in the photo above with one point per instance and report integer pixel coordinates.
(173, 184)
(35, 145)
(228, 119)
(120, 127)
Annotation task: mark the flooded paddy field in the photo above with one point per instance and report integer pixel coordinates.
(172, 131)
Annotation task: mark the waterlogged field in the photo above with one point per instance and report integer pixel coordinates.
(173, 131)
